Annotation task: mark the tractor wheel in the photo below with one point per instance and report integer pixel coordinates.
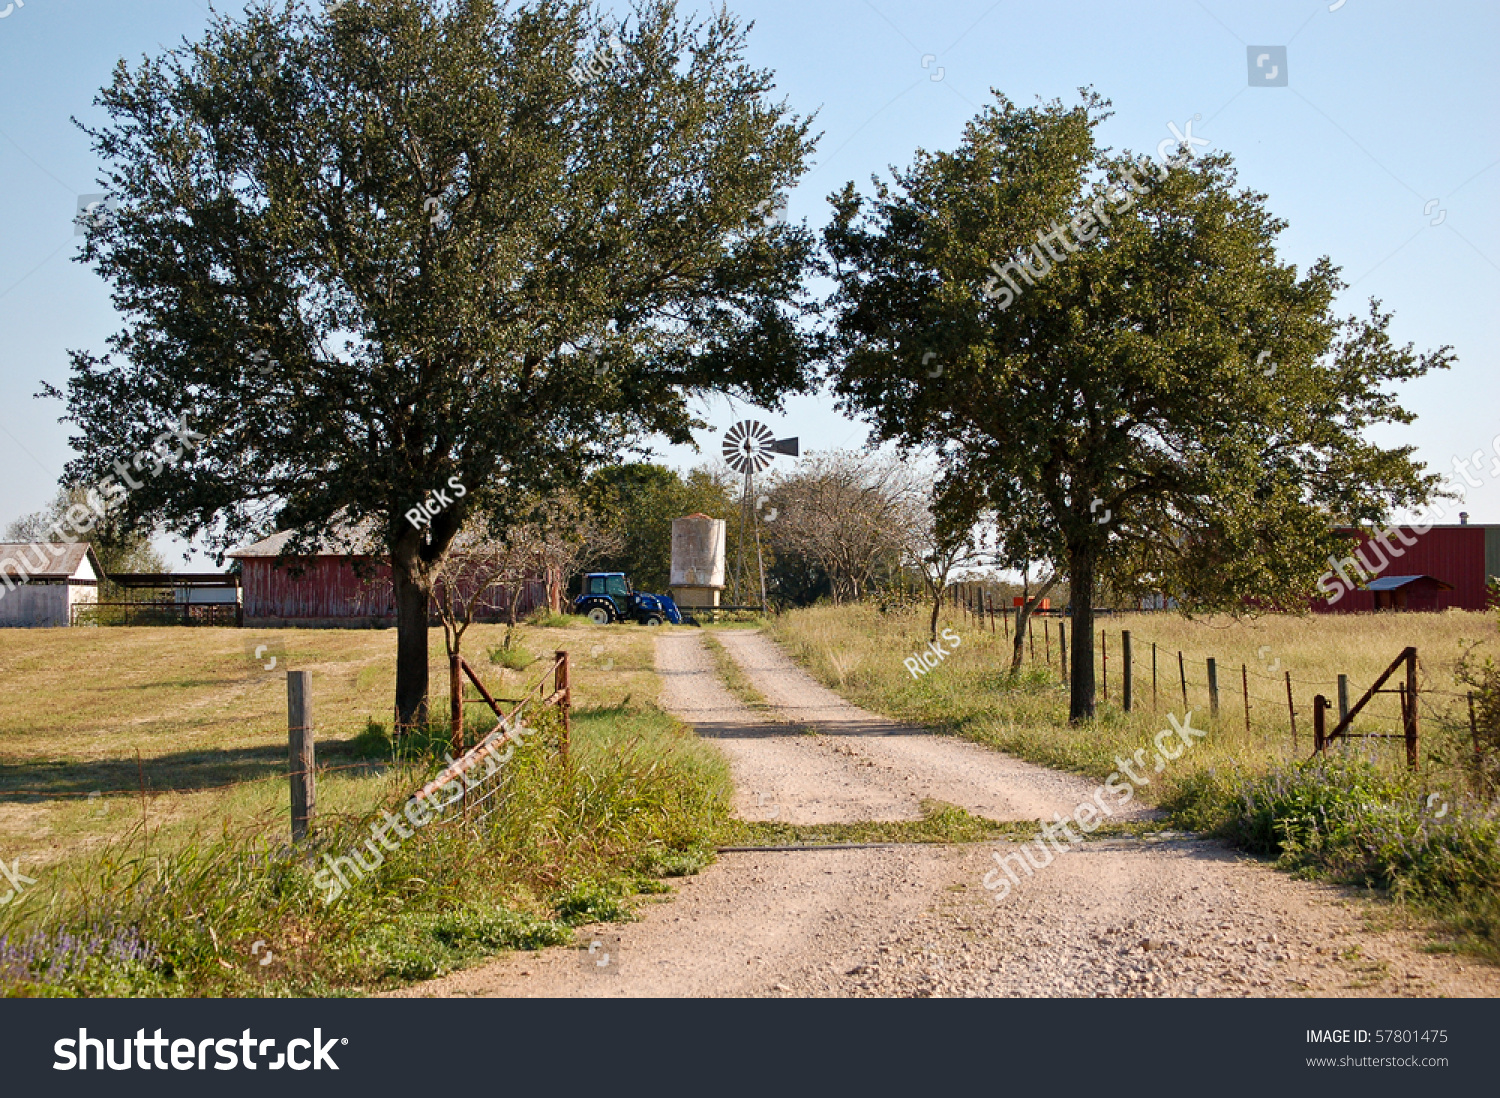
(653, 619)
(599, 615)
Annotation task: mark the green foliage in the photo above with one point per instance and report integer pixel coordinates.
(1479, 670)
(407, 215)
(515, 657)
(1346, 820)
(645, 499)
(1129, 375)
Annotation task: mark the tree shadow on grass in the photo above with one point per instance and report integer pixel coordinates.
(181, 772)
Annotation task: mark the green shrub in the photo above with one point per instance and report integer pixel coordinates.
(515, 657)
(1345, 820)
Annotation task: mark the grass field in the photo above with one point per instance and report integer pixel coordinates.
(143, 786)
(860, 651)
(1430, 837)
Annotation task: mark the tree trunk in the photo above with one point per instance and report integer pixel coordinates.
(1027, 606)
(413, 593)
(1081, 582)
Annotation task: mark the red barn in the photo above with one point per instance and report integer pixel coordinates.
(336, 590)
(1408, 568)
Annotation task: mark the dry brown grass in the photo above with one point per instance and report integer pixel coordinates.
(860, 652)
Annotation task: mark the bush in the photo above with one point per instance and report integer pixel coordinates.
(514, 657)
(1349, 822)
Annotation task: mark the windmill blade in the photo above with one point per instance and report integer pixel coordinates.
(747, 446)
(787, 446)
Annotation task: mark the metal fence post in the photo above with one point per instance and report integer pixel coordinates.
(1213, 688)
(1062, 648)
(300, 751)
(1411, 710)
(1129, 673)
(1291, 710)
(1320, 723)
(1104, 662)
(1182, 673)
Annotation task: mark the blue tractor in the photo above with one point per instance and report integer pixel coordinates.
(607, 598)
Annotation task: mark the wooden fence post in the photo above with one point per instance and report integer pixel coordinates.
(1291, 709)
(455, 706)
(1182, 673)
(1344, 700)
(1320, 722)
(1411, 710)
(1213, 688)
(563, 684)
(1129, 673)
(300, 751)
(1245, 681)
(1062, 648)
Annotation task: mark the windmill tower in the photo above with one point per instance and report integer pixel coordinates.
(748, 449)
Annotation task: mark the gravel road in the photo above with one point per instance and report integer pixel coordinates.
(1164, 916)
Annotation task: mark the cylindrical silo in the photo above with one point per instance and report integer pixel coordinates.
(697, 560)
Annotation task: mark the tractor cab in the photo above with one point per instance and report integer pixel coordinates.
(607, 597)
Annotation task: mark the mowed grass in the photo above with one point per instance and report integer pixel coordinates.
(182, 891)
(105, 730)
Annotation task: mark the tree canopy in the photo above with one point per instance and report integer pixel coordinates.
(375, 249)
(1110, 355)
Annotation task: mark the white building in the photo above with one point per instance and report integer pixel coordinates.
(41, 582)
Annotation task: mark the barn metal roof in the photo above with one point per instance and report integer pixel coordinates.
(342, 542)
(59, 565)
(1395, 583)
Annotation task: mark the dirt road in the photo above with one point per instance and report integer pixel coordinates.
(1166, 916)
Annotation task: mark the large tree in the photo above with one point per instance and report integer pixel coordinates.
(396, 245)
(1113, 349)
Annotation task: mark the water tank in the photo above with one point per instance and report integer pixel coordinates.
(697, 560)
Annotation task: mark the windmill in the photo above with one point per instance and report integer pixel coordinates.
(748, 449)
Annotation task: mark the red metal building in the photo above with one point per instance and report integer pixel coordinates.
(1463, 559)
(336, 590)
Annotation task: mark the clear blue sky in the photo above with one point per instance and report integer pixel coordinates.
(1387, 125)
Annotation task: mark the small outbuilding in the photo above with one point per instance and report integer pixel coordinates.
(41, 582)
(1407, 592)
